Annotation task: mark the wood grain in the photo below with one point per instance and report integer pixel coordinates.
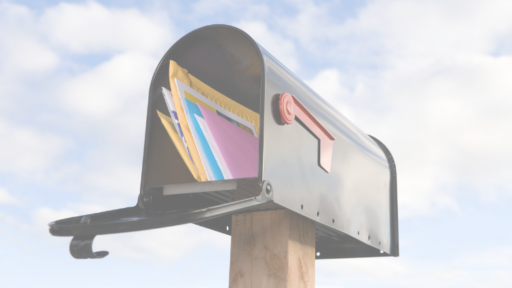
(272, 249)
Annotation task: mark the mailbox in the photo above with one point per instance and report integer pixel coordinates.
(231, 130)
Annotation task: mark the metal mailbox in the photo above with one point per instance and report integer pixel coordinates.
(298, 153)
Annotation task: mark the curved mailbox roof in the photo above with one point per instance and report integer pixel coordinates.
(353, 202)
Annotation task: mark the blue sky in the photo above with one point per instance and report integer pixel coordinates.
(431, 79)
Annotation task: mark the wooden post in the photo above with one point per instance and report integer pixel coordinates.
(272, 249)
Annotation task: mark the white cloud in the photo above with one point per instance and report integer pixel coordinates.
(94, 28)
(112, 88)
(311, 25)
(24, 149)
(280, 47)
(107, 104)
(331, 86)
(116, 179)
(208, 7)
(433, 28)
(435, 94)
(380, 269)
(478, 269)
(21, 50)
(99, 107)
(501, 255)
(446, 127)
(7, 198)
(24, 58)
(386, 29)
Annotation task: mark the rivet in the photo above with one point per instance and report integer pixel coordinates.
(268, 189)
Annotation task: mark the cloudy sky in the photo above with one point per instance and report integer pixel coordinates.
(432, 79)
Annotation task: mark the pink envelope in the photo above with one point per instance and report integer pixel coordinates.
(238, 148)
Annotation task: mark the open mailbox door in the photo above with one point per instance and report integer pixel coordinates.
(230, 130)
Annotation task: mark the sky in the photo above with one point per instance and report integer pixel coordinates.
(430, 79)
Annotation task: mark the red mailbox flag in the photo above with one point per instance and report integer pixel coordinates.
(290, 108)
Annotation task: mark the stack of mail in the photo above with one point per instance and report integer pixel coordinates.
(216, 137)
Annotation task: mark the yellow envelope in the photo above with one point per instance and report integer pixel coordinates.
(169, 126)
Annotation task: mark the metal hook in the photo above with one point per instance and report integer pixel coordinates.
(81, 248)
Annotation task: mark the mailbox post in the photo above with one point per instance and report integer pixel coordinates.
(236, 143)
(272, 249)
